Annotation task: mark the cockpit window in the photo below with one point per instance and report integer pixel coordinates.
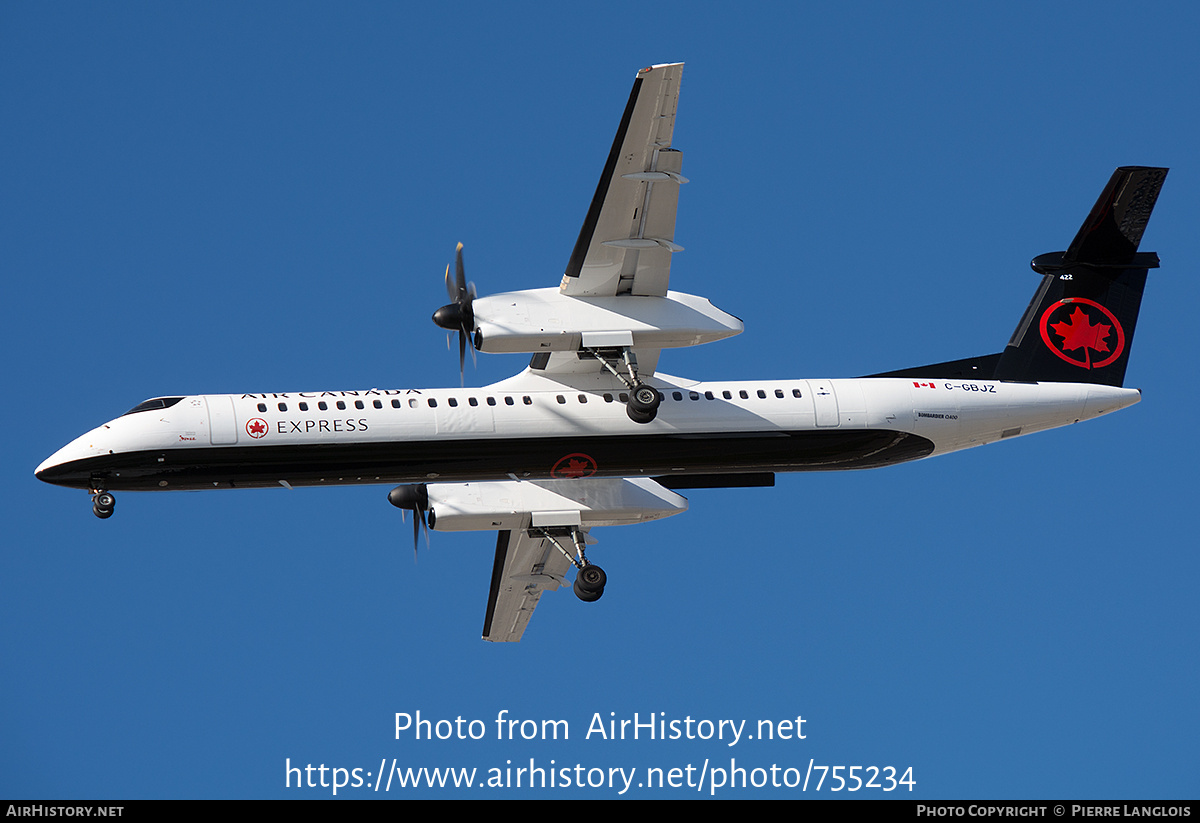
(156, 403)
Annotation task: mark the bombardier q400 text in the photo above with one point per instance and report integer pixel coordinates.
(591, 433)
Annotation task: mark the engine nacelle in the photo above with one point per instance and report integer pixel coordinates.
(546, 320)
(510, 504)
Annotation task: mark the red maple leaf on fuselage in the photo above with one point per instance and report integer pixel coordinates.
(575, 468)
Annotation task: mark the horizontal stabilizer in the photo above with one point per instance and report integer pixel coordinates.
(1113, 230)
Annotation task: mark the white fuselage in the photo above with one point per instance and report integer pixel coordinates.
(502, 431)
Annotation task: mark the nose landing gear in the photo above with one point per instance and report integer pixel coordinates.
(103, 504)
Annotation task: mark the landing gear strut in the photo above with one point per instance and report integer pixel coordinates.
(643, 398)
(590, 579)
(103, 504)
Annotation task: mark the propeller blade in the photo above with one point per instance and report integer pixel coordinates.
(416, 527)
(460, 277)
(416, 498)
(462, 356)
(459, 315)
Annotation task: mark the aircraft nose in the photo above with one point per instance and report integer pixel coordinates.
(42, 472)
(69, 465)
(53, 468)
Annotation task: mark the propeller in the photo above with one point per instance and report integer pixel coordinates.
(416, 499)
(458, 315)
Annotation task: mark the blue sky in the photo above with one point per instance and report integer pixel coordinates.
(259, 198)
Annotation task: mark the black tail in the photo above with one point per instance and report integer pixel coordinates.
(1079, 326)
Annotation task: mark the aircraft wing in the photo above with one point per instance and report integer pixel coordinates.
(628, 236)
(524, 568)
(568, 508)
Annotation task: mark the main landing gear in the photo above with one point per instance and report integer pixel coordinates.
(590, 579)
(643, 398)
(643, 403)
(589, 583)
(103, 504)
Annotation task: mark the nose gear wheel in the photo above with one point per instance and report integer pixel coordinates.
(103, 504)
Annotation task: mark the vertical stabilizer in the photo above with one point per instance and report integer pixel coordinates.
(1079, 326)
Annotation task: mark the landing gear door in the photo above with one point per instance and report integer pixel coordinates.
(824, 402)
(222, 425)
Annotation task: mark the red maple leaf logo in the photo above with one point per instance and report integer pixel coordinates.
(1081, 333)
(574, 468)
(256, 428)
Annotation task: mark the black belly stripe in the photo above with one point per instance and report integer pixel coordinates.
(490, 459)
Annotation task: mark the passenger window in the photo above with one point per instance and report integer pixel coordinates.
(796, 393)
(561, 399)
(727, 395)
(508, 401)
(303, 407)
(377, 404)
(358, 404)
(341, 404)
(432, 403)
(583, 398)
(491, 401)
(471, 401)
(742, 394)
(322, 405)
(262, 407)
(395, 403)
(779, 393)
(453, 401)
(412, 402)
(623, 397)
(709, 396)
(608, 398)
(527, 400)
(762, 395)
(694, 395)
(677, 395)
(283, 406)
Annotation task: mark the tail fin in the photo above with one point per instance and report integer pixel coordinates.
(1079, 326)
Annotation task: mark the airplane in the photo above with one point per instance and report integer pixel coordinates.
(591, 434)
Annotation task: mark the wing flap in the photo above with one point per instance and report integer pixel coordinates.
(524, 567)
